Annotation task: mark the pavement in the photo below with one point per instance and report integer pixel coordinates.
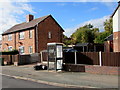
(62, 79)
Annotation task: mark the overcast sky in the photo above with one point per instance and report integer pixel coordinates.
(70, 15)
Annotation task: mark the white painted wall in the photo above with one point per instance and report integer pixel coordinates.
(116, 20)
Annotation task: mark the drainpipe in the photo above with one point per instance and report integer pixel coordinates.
(36, 38)
(15, 40)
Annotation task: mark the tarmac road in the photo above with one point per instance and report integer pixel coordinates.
(62, 79)
(9, 82)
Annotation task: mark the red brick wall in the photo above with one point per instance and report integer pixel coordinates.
(7, 58)
(102, 70)
(108, 46)
(9, 43)
(92, 69)
(26, 42)
(48, 25)
(116, 41)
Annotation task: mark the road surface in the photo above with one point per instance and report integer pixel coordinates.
(9, 82)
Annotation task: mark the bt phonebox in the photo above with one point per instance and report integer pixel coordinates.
(55, 56)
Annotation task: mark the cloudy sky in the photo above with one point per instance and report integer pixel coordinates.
(70, 15)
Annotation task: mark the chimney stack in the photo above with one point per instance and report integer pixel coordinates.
(29, 17)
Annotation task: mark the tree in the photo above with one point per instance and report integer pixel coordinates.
(85, 34)
(108, 26)
(88, 26)
(89, 34)
(66, 40)
(108, 31)
(101, 37)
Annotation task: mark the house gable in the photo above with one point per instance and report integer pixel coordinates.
(116, 9)
(45, 30)
(25, 25)
(46, 27)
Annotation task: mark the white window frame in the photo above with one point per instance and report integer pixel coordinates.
(9, 48)
(9, 37)
(21, 35)
(30, 49)
(22, 48)
(49, 35)
(30, 33)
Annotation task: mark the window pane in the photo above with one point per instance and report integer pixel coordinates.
(10, 48)
(49, 34)
(10, 37)
(21, 35)
(21, 49)
(30, 49)
(30, 34)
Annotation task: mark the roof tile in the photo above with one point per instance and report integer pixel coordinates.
(25, 25)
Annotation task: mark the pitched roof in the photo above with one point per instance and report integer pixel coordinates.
(109, 38)
(25, 25)
(116, 9)
(82, 44)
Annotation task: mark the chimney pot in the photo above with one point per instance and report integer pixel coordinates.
(29, 17)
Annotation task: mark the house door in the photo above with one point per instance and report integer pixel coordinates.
(51, 57)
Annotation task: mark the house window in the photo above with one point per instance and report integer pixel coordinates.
(0, 46)
(30, 34)
(30, 49)
(9, 37)
(49, 35)
(21, 49)
(3, 38)
(21, 35)
(9, 48)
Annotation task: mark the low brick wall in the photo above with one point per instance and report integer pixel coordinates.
(7, 59)
(95, 69)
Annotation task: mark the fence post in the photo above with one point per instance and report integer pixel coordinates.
(75, 57)
(100, 58)
(41, 57)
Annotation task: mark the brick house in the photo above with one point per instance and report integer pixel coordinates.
(33, 35)
(116, 29)
(0, 45)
